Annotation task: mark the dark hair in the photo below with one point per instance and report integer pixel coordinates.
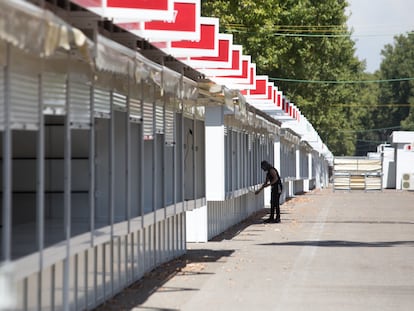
(265, 165)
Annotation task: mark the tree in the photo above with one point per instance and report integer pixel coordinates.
(368, 138)
(398, 62)
(301, 40)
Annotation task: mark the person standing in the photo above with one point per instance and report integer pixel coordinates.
(272, 180)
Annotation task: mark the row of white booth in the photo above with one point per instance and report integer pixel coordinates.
(113, 158)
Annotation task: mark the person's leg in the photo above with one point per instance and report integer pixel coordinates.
(272, 206)
(277, 203)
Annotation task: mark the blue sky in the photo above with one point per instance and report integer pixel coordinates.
(375, 23)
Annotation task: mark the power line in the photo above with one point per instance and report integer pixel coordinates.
(327, 31)
(370, 141)
(355, 105)
(372, 130)
(341, 81)
(310, 35)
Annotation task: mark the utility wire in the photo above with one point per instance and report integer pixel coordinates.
(341, 81)
(354, 105)
(372, 130)
(371, 141)
(328, 31)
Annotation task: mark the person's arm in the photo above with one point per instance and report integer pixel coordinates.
(273, 180)
(264, 185)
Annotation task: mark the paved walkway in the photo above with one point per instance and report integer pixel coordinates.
(332, 251)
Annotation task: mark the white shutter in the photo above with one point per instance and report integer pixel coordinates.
(250, 141)
(24, 98)
(135, 99)
(79, 102)
(101, 103)
(1, 99)
(119, 101)
(159, 117)
(169, 125)
(148, 120)
(54, 93)
(135, 114)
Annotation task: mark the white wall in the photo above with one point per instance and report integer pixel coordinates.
(404, 155)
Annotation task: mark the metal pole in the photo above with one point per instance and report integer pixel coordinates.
(141, 159)
(67, 194)
(194, 158)
(128, 158)
(112, 187)
(40, 185)
(7, 163)
(92, 165)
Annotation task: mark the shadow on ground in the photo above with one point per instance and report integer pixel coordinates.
(188, 264)
(341, 243)
(140, 291)
(232, 232)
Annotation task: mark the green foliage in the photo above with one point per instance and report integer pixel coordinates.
(303, 40)
(398, 62)
(390, 104)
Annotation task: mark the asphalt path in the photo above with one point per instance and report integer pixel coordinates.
(332, 251)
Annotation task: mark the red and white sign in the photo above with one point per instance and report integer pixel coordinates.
(131, 10)
(278, 99)
(239, 82)
(184, 26)
(207, 45)
(261, 88)
(212, 68)
(223, 60)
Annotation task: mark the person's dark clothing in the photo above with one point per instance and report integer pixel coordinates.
(276, 191)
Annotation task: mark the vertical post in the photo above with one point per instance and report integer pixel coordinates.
(112, 187)
(215, 169)
(92, 165)
(128, 156)
(182, 181)
(7, 163)
(194, 141)
(154, 152)
(230, 162)
(40, 192)
(67, 193)
(297, 161)
(141, 160)
(276, 157)
(153, 228)
(310, 169)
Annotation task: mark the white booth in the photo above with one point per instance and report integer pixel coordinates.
(403, 142)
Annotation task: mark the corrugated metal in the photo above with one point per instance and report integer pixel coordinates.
(1, 99)
(159, 117)
(97, 273)
(135, 113)
(79, 101)
(101, 101)
(148, 120)
(169, 126)
(119, 101)
(250, 142)
(24, 97)
(54, 93)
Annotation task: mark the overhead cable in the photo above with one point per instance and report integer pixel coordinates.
(342, 81)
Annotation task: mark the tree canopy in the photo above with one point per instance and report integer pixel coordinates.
(391, 102)
(305, 47)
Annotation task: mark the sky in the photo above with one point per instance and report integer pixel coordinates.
(375, 23)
